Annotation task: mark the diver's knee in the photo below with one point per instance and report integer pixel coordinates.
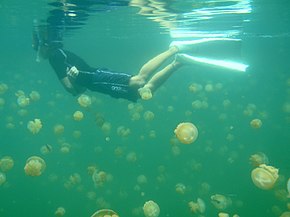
(137, 81)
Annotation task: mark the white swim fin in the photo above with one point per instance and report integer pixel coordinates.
(227, 64)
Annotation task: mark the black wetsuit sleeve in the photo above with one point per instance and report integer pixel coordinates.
(57, 60)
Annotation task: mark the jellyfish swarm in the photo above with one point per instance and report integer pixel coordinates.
(186, 132)
(151, 209)
(264, 176)
(34, 166)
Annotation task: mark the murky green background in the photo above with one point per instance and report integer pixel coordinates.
(123, 40)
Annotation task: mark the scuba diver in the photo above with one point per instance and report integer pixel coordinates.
(76, 76)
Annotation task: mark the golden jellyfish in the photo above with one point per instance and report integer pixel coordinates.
(106, 127)
(152, 134)
(23, 101)
(58, 129)
(91, 195)
(2, 178)
(197, 207)
(148, 115)
(135, 116)
(34, 95)
(46, 149)
(142, 179)
(6, 164)
(194, 87)
(78, 115)
(84, 100)
(99, 178)
(123, 131)
(186, 132)
(180, 188)
(256, 123)
(75, 179)
(258, 159)
(145, 93)
(59, 212)
(100, 120)
(35, 166)
(285, 214)
(151, 209)
(77, 134)
(220, 201)
(209, 88)
(3, 88)
(65, 148)
(223, 214)
(34, 126)
(131, 157)
(264, 176)
(105, 213)
(22, 112)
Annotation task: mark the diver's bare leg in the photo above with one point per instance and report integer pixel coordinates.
(157, 80)
(149, 67)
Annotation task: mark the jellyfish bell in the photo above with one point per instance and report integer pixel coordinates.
(148, 115)
(256, 123)
(220, 201)
(34, 126)
(58, 129)
(197, 207)
(223, 214)
(105, 213)
(59, 212)
(3, 88)
(151, 209)
(264, 177)
(34, 166)
(23, 101)
(6, 164)
(78, 115)
(186, 132)
(201, 205)
(142, 179)
(84, 100)
(180, 188)
(34, 95)
(258, 159)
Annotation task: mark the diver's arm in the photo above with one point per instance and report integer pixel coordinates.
(71, 86)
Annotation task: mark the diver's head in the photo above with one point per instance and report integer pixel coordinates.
(45, 39)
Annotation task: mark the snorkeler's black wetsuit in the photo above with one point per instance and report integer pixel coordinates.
(102, 80)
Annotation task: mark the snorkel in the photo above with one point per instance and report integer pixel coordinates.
(38, 39)
(44, 38)
(36, 44)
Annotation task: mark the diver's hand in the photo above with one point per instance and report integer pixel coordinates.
(73, 72)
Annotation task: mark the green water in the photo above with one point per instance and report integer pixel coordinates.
(123, 39)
